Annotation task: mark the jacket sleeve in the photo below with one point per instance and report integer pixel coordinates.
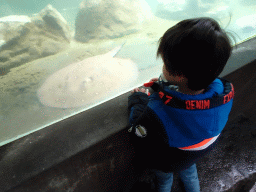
(137, 102)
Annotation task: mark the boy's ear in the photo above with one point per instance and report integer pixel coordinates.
(182, 78)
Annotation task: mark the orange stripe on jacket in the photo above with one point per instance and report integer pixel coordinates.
(198, 144)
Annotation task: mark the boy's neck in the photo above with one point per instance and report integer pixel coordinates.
(188, 91)
(180, 81)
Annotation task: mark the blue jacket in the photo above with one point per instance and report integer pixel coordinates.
(175, 122)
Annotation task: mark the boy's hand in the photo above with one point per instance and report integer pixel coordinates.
(141, 90)
(154, 79)
(150, 83)
(144, 90)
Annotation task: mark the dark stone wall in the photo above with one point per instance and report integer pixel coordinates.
(105, 166)
(244, 81)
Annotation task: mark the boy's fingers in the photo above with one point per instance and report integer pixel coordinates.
(154, 79)
(135, 90)
(141, 90)
(149, 84)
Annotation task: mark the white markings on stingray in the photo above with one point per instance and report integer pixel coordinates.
(88, 81)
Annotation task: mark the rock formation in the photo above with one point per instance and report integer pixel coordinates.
(179, 10)
(23, 39)
(99, 19)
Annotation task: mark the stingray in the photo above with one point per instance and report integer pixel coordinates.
(88, 81)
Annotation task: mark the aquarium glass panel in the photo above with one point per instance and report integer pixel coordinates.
(61, 57)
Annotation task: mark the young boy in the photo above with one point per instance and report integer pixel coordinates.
(184, 116)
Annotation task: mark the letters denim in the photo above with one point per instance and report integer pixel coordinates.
(188, 176)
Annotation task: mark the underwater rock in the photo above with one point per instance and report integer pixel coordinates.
(110, 19)
(24, 39)
(9, 23)
(247, 2)
(179, 10)
(2, 42)
(220, 12)
(15, 18)
(55, 23)
(246, 24)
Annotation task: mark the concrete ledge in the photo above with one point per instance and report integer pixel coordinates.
(105, 166)
(41, 150)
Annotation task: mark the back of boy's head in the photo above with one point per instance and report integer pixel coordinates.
(197, 49)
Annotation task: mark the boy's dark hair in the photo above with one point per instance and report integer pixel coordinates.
(197, 49)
